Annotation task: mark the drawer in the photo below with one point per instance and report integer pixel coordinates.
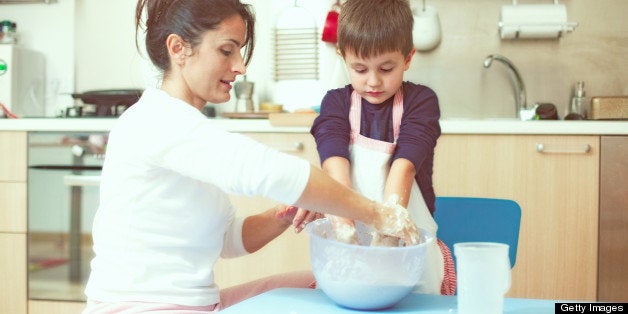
(297, 144)
(13, 207)
(13, 147)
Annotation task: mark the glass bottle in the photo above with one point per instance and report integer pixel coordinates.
(577, 107)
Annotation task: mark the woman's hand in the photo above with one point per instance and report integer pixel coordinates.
(262, 228)
(285, 213)
(299, 217)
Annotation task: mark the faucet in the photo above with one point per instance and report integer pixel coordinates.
(521, 107)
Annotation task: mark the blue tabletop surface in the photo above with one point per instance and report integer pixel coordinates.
(314, 301)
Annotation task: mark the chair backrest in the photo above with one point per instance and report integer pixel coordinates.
(469, 219)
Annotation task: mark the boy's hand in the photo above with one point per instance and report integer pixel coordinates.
(395, 221)
(344, 229)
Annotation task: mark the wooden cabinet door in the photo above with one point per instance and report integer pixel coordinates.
(557, 190)
(13, 263)
(13, 273)
(13, 160)
(613, 250)
(290, 251)
(13, 207)
(55, 307)
(13, 172)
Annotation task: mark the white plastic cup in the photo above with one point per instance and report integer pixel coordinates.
(483, 275)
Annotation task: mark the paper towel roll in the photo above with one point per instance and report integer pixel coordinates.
(534, 21)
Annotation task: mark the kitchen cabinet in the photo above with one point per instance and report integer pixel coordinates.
(613, 255)
(557, 190)
(55, 307)
(290, 251)
(13, 264)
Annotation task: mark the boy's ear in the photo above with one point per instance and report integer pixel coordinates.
(409, 58)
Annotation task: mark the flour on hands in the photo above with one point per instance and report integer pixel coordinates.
(398, 227)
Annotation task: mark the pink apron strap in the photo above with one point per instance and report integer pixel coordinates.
(355, 113)
(397, 113)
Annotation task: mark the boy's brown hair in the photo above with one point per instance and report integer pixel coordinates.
(371, 27)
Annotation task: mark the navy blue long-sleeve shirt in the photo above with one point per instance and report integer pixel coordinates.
(418, 133)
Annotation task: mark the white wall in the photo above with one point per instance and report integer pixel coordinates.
(595, 53)
(100, 45)
(49, 28)
(106, 55)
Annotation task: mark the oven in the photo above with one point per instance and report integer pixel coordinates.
(63, 178)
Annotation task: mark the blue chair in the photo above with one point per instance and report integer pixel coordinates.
(469, 219)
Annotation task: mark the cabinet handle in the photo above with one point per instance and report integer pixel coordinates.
(295, 147)
(563, 148)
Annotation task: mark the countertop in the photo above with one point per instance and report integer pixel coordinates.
(448, 126)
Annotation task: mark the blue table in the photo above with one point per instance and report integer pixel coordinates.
(314, 301)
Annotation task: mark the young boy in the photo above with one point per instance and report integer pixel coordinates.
(377, 135)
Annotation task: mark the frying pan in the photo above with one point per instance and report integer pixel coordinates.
(110, 97)
(108, 100)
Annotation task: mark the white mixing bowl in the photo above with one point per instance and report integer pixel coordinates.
(360, 276)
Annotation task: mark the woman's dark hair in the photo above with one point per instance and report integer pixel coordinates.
(188, 19)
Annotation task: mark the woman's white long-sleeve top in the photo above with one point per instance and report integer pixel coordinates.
(164, 216)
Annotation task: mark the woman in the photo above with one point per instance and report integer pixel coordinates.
(164, 216)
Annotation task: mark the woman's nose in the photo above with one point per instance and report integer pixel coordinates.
(239, 66)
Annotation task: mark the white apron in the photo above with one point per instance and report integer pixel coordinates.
(370, 165)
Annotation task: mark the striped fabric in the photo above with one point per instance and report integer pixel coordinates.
(355, 114)
(448, 287)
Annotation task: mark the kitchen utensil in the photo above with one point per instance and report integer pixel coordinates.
(330, 29)
(426, 32)
(108, 101)
(483, 274)
(577, 108)
(546, 111)
(245, 115)
(244, 95)
(295, 38)
(363, 277)
(270, 107)
(23, 80)
(609, 108)
(110, 97)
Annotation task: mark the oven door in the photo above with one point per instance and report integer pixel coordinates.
(63, 195)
